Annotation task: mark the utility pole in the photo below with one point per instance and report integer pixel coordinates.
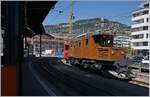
(71, 17)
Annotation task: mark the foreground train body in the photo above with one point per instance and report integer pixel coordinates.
(95, 51)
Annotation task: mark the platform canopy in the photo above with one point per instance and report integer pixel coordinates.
(36, 11)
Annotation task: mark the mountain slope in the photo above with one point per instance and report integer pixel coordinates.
(82, 26)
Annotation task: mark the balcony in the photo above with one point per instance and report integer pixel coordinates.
(139, 25)
(140, 11)
(140, 47)
(139, 32)
(140, 17)
(140, 40)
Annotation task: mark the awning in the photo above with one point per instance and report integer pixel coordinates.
(36, 11)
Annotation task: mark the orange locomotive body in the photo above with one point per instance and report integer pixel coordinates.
(95, 50)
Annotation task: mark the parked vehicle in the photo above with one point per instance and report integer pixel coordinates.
(146, 60)
(137, 59)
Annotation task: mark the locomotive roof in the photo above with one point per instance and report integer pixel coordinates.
(77, 38)
(83, 34)
(95, 33)
(102, 33)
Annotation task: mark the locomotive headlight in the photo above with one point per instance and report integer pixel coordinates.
(122, 52)
(112, 51)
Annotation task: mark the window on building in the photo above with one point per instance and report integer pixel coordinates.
(140, 28)
(139, 21)
(146, 35)
(141, 13)
(135, 44)
(135, 15)
(145, 28)
(140, 36)
(50, 46)
(36, 45)
(146, 5)
(145, 12)
(145, 43)
(134, 29)
(140, 44)
(147, 19)
(36, 49)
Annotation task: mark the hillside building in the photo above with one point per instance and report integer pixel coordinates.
(122, 41)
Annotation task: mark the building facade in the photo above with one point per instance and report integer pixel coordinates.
(122, 41)
(141, 29)
(48, 42)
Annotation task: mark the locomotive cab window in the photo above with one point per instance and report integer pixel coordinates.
(104, 40)
(79, 44)
(86, 44)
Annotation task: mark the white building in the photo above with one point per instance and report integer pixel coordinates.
(141, 28)
(121, 41)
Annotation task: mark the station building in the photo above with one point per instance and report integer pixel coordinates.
(49, 42)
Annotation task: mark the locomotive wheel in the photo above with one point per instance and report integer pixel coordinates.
(96, 66)
(106, 73)
(85, 66)
(99, 67)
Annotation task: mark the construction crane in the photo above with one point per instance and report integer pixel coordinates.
(71, 17)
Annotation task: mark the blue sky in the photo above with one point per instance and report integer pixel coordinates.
(114, 10)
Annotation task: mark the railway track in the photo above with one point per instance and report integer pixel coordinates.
(73, 84)
(140, 83)
(70, 81)
(108, 75)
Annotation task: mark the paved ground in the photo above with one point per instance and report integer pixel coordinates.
(30, 85)
(50, 76)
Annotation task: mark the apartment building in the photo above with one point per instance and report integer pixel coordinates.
(122, 41)
(141, 29)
